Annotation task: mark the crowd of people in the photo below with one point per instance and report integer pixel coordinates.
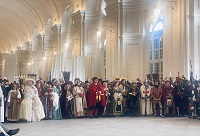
(34, 101)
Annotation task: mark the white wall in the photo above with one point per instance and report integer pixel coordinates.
(10, 67)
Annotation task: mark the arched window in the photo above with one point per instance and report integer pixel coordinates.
(156, 47)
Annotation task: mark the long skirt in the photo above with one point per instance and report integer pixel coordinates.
(31, 110)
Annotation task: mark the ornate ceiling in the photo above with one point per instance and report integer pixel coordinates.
(19, 19)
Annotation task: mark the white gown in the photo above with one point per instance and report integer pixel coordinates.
(78, 100)
(31, 107)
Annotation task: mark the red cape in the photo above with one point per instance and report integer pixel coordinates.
(92, 95)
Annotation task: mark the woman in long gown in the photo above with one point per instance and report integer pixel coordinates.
(66, 102)
(55, 104)
(40, 91)
(133, 100)
(118, 110)
(109, 99)
(47, 105)
(31, 107)
(14, 97)
(79, 99)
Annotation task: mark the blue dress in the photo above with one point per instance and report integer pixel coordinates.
(55, 114)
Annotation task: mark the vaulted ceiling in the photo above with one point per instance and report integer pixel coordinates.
(19, 19)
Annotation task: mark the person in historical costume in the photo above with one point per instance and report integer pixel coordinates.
(96, 97)
(168, 99)
(139, 83)
(124, 90)
(40, 91)
(56, 84)
(1, 104)
(118, 107)
(191, 100)
(178, 97)
(134, 100)
(21, 90)
(55, 103)
(31, 108)
(197, 88)
(6, 90)
(145, 101)
(79, 99)
(48, 100)
(156, 94)
(86, 87)
(67, 102)
(184, 107)
(109, 99)
(14, 100)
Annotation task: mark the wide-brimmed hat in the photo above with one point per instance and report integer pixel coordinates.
(30, 79)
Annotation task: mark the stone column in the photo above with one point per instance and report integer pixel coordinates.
(194, 36)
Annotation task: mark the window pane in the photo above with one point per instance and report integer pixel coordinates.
(161, 67)
(156, 44)
(151, 55)
(161, 53)
(151, 67)
(161, 43)
(157, 68)
(151, 47)
(156, 54)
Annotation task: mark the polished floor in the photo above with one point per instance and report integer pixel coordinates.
(118, 126)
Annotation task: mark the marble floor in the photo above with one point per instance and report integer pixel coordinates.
(115, 126)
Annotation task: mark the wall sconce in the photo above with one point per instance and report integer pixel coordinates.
(66, 45)
(98, 33)
(45, 58)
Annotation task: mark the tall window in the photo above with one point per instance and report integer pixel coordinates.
(156, 47)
